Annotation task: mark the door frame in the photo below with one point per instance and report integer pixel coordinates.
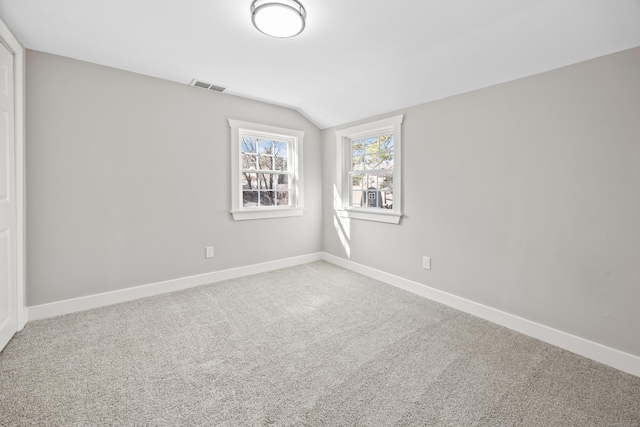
(10, 40)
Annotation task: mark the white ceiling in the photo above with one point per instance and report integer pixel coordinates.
(355, 59)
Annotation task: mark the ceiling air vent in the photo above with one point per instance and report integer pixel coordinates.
(205, 85)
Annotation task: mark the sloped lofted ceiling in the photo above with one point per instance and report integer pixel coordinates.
(355, 59)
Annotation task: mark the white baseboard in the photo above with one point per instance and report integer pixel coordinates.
(615, 358)
(114, 297)
(23, 315)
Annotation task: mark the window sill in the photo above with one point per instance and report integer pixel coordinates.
(377, 215)
(265, 213)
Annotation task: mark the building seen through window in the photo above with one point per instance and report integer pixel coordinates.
(371, 174)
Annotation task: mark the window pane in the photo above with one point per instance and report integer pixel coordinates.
(386, 143)
(356, 190)
(372, 190)
(248, 145)
(265, 146)
(386, 161)
(283, 198)
(249, 181)
(249, 198)
(385, 181)
(371, 145)
(356, 180)
(267, 198)
(282, 182)
(371, 161)
(281, 164)
(265, 162)
(273, 181)
(357, 152)
(369, 181)
(264, 181)
(385, 184)
(386, 152)
(372, 197)
(280, 149)
(249, 161)
(372, 153)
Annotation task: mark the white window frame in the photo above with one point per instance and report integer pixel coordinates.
(344, 158)
(296, 207)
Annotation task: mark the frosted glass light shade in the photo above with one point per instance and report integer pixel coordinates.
(278, 18)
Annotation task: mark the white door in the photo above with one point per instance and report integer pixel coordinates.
(8, 213)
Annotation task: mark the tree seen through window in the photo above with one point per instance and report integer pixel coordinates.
(371, 175)
(265, 174)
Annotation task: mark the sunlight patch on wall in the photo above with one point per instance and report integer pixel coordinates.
(341, 224)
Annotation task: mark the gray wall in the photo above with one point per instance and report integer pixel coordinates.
(128, 180)
(527, 197)
(525, 194)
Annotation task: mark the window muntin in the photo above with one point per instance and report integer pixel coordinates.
(368, 180)
(266, 175)
(266, 171)
(371, 174)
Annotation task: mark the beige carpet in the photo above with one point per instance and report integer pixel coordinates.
(313, 345)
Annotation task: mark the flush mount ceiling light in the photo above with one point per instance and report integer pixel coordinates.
(278, 18)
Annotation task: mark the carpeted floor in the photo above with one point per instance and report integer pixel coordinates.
(313, 345)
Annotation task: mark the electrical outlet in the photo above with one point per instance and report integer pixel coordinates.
(426, 262)
(209, 252)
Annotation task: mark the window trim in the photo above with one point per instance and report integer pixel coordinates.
(343, 139)
(238, 211)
